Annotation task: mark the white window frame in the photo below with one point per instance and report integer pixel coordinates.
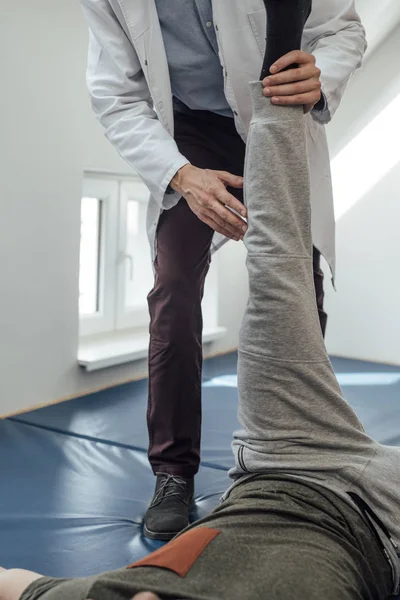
(107, 192)
(127, 318)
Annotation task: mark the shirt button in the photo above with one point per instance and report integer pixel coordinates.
(209, 23)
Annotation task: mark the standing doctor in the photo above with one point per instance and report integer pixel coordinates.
(168, 80)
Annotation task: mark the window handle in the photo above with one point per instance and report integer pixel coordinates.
(129, 258)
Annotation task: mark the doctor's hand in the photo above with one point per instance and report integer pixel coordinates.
(300, 85)
(206, 194)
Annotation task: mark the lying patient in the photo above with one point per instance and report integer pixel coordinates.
(314, 509)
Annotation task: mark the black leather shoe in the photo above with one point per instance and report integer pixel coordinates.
(168, 513)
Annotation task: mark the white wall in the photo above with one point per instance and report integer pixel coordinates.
(380, 19)
(364, 315)
(48, 138)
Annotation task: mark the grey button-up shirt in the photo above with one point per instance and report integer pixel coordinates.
(192, 52)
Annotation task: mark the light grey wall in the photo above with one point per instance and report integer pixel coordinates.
(369, 91)
(364, 316)
(48, 138)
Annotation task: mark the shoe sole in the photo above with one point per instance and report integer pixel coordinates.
(163, 537)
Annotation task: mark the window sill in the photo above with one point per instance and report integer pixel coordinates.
(100, 352)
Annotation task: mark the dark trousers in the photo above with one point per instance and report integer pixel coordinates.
(208, 141)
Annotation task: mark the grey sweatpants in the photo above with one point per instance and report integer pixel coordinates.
(277, 540)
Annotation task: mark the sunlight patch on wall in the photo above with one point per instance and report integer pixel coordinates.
(366, 159)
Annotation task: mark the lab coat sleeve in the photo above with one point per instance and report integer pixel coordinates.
(122, 102)
(335, 36)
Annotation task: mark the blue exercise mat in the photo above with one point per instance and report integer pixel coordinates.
(74, 507)
(75, 481)
(118, 415)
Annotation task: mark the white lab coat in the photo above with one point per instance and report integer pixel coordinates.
(129, 85)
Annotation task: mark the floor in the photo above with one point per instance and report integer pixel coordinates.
(75, 481)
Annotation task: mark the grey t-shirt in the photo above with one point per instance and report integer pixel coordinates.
(192, 51)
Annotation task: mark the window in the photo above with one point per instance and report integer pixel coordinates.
(136, 274)
(90, 256)
(116, 273)
(99, 219)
